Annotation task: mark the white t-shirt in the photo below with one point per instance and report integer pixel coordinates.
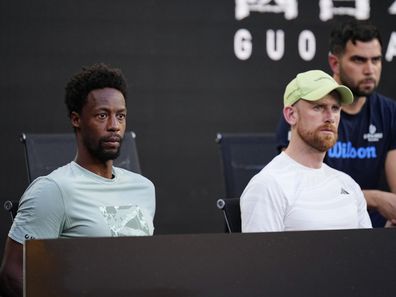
(286, 195)
(74, 202)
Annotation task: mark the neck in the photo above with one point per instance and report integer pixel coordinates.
(356, 106)
(87, 160)
(103, 169)
(300, 152)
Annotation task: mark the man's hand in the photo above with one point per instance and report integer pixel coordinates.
(390, 224)
(383, 202)
(11, 270)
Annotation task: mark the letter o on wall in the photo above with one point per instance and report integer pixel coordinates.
(307, 45)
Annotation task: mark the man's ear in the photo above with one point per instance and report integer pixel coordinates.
(75, 119)
(334, 64)
(290, 115)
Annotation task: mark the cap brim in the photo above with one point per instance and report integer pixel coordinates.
(346, 95)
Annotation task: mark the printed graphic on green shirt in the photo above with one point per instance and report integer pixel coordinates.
(126, 220)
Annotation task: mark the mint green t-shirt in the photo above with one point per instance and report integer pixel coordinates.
(74, 202)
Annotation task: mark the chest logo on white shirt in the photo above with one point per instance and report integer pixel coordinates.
(372, 136)
(344, 192)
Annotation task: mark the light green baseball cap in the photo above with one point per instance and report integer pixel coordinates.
(313, 85)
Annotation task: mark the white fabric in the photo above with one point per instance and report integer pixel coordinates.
(286, 195)
(74, 202)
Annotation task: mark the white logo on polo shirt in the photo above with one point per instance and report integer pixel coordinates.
(372, 136)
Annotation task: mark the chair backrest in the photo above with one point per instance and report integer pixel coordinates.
(243, 155)
(232, 214)
(46, 152)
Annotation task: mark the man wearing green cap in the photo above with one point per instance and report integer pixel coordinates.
(296, 190)
(366, 145)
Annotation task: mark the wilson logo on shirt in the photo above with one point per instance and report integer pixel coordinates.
(345, 150)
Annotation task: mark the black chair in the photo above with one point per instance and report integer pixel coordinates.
(46, 152)
(232, 214)
(243, 156)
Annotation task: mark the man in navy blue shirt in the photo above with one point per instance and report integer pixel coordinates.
(366, 146)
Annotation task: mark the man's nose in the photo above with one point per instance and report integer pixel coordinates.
(369, 67)
(113, 123)
(330, 116)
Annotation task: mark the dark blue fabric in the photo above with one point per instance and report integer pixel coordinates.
(363, 142)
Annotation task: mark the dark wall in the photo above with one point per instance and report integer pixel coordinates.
(186, 84)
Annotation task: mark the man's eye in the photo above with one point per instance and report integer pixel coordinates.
(358, 60)
(121, 116)
(317, 107)
(376, 60)
(101, 115)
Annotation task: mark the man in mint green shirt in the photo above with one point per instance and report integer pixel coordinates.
(88, 197)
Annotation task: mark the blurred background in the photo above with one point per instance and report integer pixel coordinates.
(194, 68)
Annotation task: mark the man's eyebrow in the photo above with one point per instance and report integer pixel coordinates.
(104, 107)
(366, 58)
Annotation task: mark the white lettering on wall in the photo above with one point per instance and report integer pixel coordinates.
(243, 44)
(329, 8)
(288, 7)
(307, 45)
(276, 38)
(392, 8)
(275, 44)
(391, 50)
(359, 9)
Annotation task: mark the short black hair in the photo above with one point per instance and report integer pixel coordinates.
(352, 30)
(96, 76)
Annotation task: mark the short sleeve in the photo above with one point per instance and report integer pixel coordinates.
(41, 212)
(392, 133)
(363, 216)
(263, 206)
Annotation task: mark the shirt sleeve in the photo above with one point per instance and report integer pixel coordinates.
(363, 216)
(263, 206)
(282, 134)
(392, 134)
(41, 212)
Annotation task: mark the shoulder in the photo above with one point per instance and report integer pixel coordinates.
(273, 168)
(62, 172)
(383, 110)
(56, 179)
(126, 175)
(48, 186)
(43, 198)
(379, 96)
(45, 189)
(42, 186)
(340, 175)
(379, 100)
(283, 165)
(273, 174)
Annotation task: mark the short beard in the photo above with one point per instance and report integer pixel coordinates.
(100, 153)
(356, 91)
(316, 141)
(361, 93)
